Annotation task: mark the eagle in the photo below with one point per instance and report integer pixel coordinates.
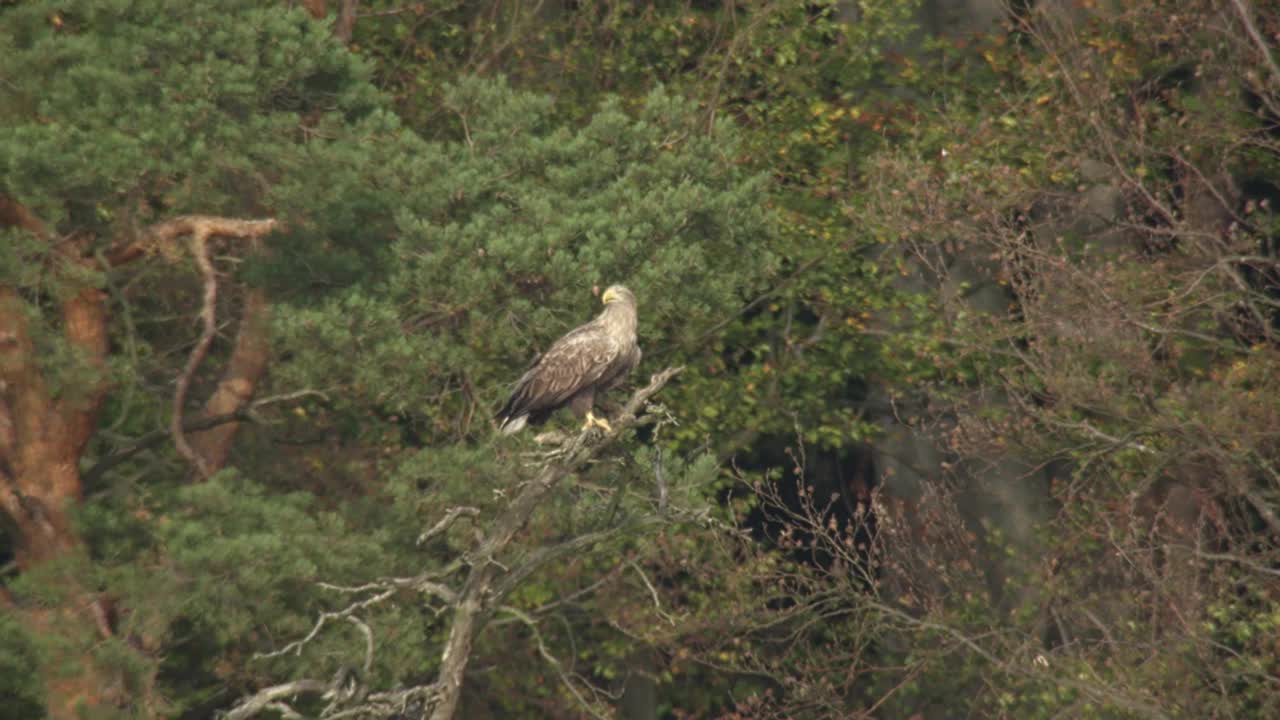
(589, 360)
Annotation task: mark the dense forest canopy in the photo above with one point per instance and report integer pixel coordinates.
(960, 394)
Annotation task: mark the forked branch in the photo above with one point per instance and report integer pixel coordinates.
(201, 229)
(476, 597)
(487, 582)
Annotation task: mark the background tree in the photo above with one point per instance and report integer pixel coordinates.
(122, 123)
(1092, 248)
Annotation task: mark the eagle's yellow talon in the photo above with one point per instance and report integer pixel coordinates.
(597, 422)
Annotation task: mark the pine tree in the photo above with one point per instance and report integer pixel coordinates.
(142, 142)
(192, 195)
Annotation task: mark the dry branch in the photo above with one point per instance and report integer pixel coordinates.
(43, 433)
(446, 522)
(267, 699)
(486, 584)
(475, 599)
(201, 229)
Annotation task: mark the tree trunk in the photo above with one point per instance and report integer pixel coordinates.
(239, 383)
(43, 435)
(640, 694)
(346, 24)
(41, 440)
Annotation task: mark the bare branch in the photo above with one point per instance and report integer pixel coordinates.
(244, 370)
(165, 234)
(1117, 442)
(407, 702)
(1030, 670)
(267, 698)
(200, 249)
(475, 599)
(153, 439)
(1246, 562)
(290, 396)
(653, 592)
(201, 229)
(1246, 18)
(555, 663)
(486, 584)
(345, 614)
(540, 557)
(285, 711)
(446, 521)
(368, 642)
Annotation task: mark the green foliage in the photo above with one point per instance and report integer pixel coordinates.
(119, 115)
(499, 255)
(23, 697)
(121, 111)
(225, 569)
(1049, 247)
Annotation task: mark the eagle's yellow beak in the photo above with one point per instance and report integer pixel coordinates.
(609, 296)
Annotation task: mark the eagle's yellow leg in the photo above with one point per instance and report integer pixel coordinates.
(598, 422)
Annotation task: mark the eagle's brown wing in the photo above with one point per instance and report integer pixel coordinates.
(576, 361)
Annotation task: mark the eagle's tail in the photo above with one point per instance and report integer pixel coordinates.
(513, 425)
(514, 413)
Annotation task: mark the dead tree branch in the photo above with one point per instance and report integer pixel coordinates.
(244, 371)
(446, 522)
(475, 601)
(347, 613)
(201, 229)
(1246, 18)
(269, 698)
(480, 596)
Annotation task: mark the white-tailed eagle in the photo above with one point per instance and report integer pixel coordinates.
(588, 361)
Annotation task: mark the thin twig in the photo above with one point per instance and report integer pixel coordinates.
(1252, 29)
(1246, 562)
(157, 437)
(552, 660)
(653, 592)
(297, 645)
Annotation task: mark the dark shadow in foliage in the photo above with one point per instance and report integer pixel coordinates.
(828, 489)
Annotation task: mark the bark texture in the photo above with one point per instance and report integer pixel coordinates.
(46, 424)
(239, 383)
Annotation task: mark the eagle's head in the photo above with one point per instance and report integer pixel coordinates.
(618, 293)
